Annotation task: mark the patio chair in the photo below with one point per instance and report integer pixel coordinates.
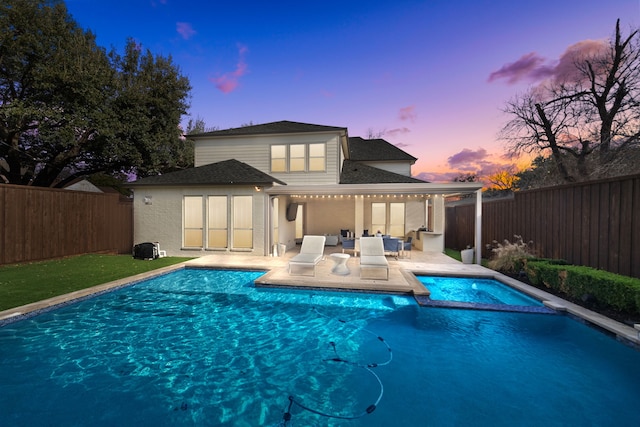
(407, 246)
(349, 245)
(372, 256)
(391, 246)
(311, 253)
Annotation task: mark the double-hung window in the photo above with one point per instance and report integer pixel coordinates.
(299, 157)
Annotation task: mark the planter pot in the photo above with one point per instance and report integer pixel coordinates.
(467, 256)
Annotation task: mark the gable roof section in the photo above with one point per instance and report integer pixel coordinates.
(227, 172)
(363, 150)
(271, 128)
(360, 173)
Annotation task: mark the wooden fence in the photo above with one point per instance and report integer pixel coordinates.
(596, 224)
(44, 223)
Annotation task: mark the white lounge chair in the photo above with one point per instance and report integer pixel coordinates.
(372, 256)
(311, 253)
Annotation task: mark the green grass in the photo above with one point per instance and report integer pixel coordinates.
(456, 255)
(26, 283)
(453, 254)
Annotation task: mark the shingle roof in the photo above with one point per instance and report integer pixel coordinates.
(363, 150)
(360, 173)
(227, 172)
(271, 128)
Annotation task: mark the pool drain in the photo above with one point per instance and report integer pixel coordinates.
(286, 419)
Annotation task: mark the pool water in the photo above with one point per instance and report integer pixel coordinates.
(202, 347)
(475, 290)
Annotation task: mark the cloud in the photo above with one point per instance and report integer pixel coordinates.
(185, 30)
(397, 131)
(528, 67)
(535, 68)
(467, 156)
(408, 113)
(228, 82)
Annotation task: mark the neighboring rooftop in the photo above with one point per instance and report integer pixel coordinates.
(363, 150)
(271, 128)
(227, 172)
(360, 173)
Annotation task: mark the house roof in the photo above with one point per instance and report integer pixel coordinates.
(360, 173)
(378, 149)
(227, 172)
(271, 128)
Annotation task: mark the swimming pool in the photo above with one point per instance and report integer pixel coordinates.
(204, 347)
(474, 290)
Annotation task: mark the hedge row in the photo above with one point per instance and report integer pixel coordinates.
(621, 293)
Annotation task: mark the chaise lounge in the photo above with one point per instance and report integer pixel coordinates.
(372, 256)
(311, 253)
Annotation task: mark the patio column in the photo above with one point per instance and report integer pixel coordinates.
(478, 238)
(359, 219)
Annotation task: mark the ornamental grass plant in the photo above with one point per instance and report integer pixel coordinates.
(508, 257)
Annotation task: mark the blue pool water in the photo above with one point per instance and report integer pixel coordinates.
(475, 290)
(201, 347)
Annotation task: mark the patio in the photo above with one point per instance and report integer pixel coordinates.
(401, 279)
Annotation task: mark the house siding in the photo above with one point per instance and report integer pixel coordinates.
(256, 151)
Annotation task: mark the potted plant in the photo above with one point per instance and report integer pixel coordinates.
(467, 255)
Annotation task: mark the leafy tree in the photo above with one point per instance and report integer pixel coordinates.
(466, 177)
(68, 108)
(503, 180)
(594, 109)
(542, 173)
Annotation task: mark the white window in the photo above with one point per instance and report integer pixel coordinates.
(217, 222)
(378, 218)
(278, 158)
(388, 218)
(242, 222)
(297, 157)
(317, 157)
(193, 221)
(396, 219)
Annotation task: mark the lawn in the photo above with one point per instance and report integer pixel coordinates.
(26, 283)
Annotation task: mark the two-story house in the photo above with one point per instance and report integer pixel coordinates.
(255, 187)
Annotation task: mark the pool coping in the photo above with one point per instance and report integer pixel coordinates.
(33, 309)
(622, 332)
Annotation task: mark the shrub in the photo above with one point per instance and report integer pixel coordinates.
(621, 293)
(509, 257)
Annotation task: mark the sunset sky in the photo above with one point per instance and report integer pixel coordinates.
(432, 75)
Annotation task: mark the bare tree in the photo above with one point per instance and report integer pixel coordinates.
(593, 109)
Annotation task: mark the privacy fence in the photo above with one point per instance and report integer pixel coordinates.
(43, 223)
(596, 224)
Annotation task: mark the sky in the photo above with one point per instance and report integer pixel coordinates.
(429, 76)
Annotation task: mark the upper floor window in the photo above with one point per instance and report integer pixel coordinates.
(278, 158)
(299, 158)
(317, 157)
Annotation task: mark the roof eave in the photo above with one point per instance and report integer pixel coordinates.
(448, 189)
